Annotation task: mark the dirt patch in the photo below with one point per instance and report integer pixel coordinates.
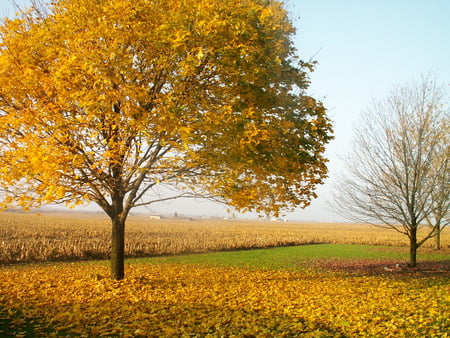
(385, 266)
(422, 250)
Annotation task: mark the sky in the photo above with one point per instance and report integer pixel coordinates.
(363, 48)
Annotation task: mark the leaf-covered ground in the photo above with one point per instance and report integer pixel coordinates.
(197, 300)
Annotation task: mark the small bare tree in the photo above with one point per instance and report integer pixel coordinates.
(396, 176)
(439, 217)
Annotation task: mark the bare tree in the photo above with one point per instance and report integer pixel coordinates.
(439, 217)
(396, 176)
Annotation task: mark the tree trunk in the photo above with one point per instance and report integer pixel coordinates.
(437, 238)
(118, 248)
(413, 250)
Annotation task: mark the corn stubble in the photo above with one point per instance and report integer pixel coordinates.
(49, 237)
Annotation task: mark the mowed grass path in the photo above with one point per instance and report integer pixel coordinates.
(288, 291)
(297, 257)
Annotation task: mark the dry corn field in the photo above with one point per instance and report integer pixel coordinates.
(57, 236)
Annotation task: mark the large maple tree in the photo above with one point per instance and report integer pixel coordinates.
(109, 100)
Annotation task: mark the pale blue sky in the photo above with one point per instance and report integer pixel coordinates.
(363, 49)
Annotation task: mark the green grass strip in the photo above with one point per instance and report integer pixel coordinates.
(291, 257)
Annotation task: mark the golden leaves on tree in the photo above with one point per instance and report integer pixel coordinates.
(100, 99)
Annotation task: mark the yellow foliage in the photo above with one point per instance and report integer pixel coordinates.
(186, 300)
(99, 97)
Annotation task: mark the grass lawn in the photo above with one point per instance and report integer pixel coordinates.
(296, 257)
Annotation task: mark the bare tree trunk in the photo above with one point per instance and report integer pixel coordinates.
(118, 248)
(437, 238)
(413, 250)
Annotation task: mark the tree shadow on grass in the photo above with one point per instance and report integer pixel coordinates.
(172, 320)
(14, 324)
